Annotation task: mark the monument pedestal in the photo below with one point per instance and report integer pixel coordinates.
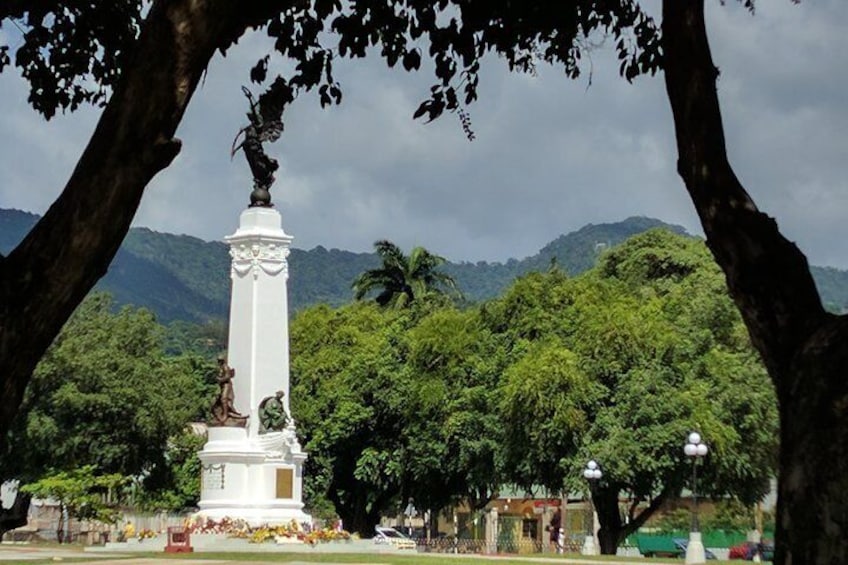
(258, 480)
(255, 473)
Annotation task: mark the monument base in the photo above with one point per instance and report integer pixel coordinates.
(255, 479)
(254, 516)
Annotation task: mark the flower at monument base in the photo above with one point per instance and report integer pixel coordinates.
(234, 528)
(146, 533)
(326, 535)
(241, 529)
(261, 535)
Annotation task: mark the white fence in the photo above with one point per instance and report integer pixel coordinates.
(43, 521)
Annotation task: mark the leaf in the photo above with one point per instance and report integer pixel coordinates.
(324, 8)
(412, 60)
(452, 102)
(259, 71)
(423, 108)
(324, 96)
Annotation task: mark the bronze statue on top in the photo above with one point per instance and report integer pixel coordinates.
(266, 125)
(224, 412)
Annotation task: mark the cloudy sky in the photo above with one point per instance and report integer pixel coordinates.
(550, 156)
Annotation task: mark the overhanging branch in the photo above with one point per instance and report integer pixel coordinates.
(768, 277)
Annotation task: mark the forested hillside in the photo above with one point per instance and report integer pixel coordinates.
(575, 253)
(180, 277)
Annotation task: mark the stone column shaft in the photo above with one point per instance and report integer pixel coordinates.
(258, 347)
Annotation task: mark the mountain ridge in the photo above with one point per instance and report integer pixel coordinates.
(182, 277)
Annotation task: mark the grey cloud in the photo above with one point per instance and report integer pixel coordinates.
(550, 156)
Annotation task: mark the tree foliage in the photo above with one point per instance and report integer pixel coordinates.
(401, 278)
(152, 67)
(347, 394)
(82, 494)
(106, 396)
(72, 52)
(454, 366)
(395, 404)
(175, 485)
(617, 365)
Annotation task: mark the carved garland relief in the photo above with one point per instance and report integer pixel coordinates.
(212, 477)
(256, 257)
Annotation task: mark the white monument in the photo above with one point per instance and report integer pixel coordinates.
(252, 463)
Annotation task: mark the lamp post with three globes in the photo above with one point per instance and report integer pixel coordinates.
(592, 473)
(695, 449)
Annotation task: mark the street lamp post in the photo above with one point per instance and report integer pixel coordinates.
(410, 512)
(591, 473)
(695, 449)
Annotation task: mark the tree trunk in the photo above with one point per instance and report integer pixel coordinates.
(60, 260)
(354, 510)
(803, 347)
(812, 510)
(60, 524)
(605, 503)
(433, 523)
(362, 519)
(612, 530)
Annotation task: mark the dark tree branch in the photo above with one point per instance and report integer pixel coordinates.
(803, 347)
(767, 275)
(60, 260)
(638, 520)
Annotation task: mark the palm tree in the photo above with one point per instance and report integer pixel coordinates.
(402, 279)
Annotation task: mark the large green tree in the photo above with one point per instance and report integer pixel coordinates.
(454, 364)
(618, 365)
(396, 404)
(402, 278)
(105, 395)
(443, 405)
(348, 394)
(153, 56)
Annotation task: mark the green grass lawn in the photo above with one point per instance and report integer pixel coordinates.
(404, 559)
(353, 558)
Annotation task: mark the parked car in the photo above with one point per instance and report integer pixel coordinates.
(748, 549)
(392, 537)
